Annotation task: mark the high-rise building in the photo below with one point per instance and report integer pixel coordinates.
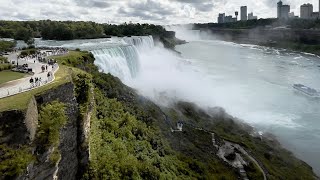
(221, 18)
(279, 5)
(306, 11)
(251, 16)
(282, 10)
(244, 12)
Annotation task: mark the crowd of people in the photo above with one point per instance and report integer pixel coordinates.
(42, 53)
(35, 82)
(37, 63)
(41, 56)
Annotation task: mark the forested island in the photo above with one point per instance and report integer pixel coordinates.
(69, 30)
(295, 34)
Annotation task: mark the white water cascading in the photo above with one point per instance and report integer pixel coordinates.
(123, 60)
(140, 42)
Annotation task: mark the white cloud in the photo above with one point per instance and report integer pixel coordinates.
(142, 11)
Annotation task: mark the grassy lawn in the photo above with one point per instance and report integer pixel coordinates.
(20, 101)
(6, 76)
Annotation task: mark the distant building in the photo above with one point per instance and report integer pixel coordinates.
(282, 10)
(251, 16)
(237, 14)
(244, 11)
(229, 19)
(306, 11)
(315, 15)
(292, 16)
(221, 18)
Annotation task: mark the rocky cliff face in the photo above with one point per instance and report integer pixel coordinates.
(13, 130)
(68, 165)
(18, 128)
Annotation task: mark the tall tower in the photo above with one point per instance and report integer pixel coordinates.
(244, 11)
(237, 13)
(279, 7)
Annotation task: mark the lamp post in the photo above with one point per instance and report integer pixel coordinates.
(17, 60)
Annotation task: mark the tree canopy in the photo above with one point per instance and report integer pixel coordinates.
(68, 30)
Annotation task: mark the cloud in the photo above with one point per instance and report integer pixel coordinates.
(93, 3)
(147, 10)
(142, 11)
(200, 5)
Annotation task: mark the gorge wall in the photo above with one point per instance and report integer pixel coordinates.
(18, 128)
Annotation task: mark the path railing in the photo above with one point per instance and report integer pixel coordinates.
(24, 85)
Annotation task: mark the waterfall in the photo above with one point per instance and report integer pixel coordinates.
(123, 60)
(140, 42)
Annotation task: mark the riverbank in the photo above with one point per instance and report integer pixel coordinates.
(296, 40)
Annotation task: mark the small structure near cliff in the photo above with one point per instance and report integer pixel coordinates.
(229, 154)
(179, 127)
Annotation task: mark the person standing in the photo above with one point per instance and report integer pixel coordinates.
(48, 75)
(36, 81)
(31, 82)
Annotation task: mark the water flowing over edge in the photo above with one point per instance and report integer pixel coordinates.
(123, 61)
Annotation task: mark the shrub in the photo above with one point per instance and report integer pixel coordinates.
(5, 67)
(3, 60)
(6, 45)
(28, 52)
(52, 118)
(13, 161)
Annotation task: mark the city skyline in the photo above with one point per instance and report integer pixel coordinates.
(142, 11)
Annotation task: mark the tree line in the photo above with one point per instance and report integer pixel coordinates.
(256, 23)
(68, 30)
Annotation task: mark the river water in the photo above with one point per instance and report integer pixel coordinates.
(255, 84)
(252, 83)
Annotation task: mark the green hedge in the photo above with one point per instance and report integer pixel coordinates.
(5, 67)
(3, 60)
(28, 52)
(6, 45)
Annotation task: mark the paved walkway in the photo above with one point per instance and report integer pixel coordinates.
(22, 85)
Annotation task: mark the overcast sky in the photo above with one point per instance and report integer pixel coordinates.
(142, 11)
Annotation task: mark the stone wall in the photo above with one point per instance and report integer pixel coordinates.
(31, 119)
